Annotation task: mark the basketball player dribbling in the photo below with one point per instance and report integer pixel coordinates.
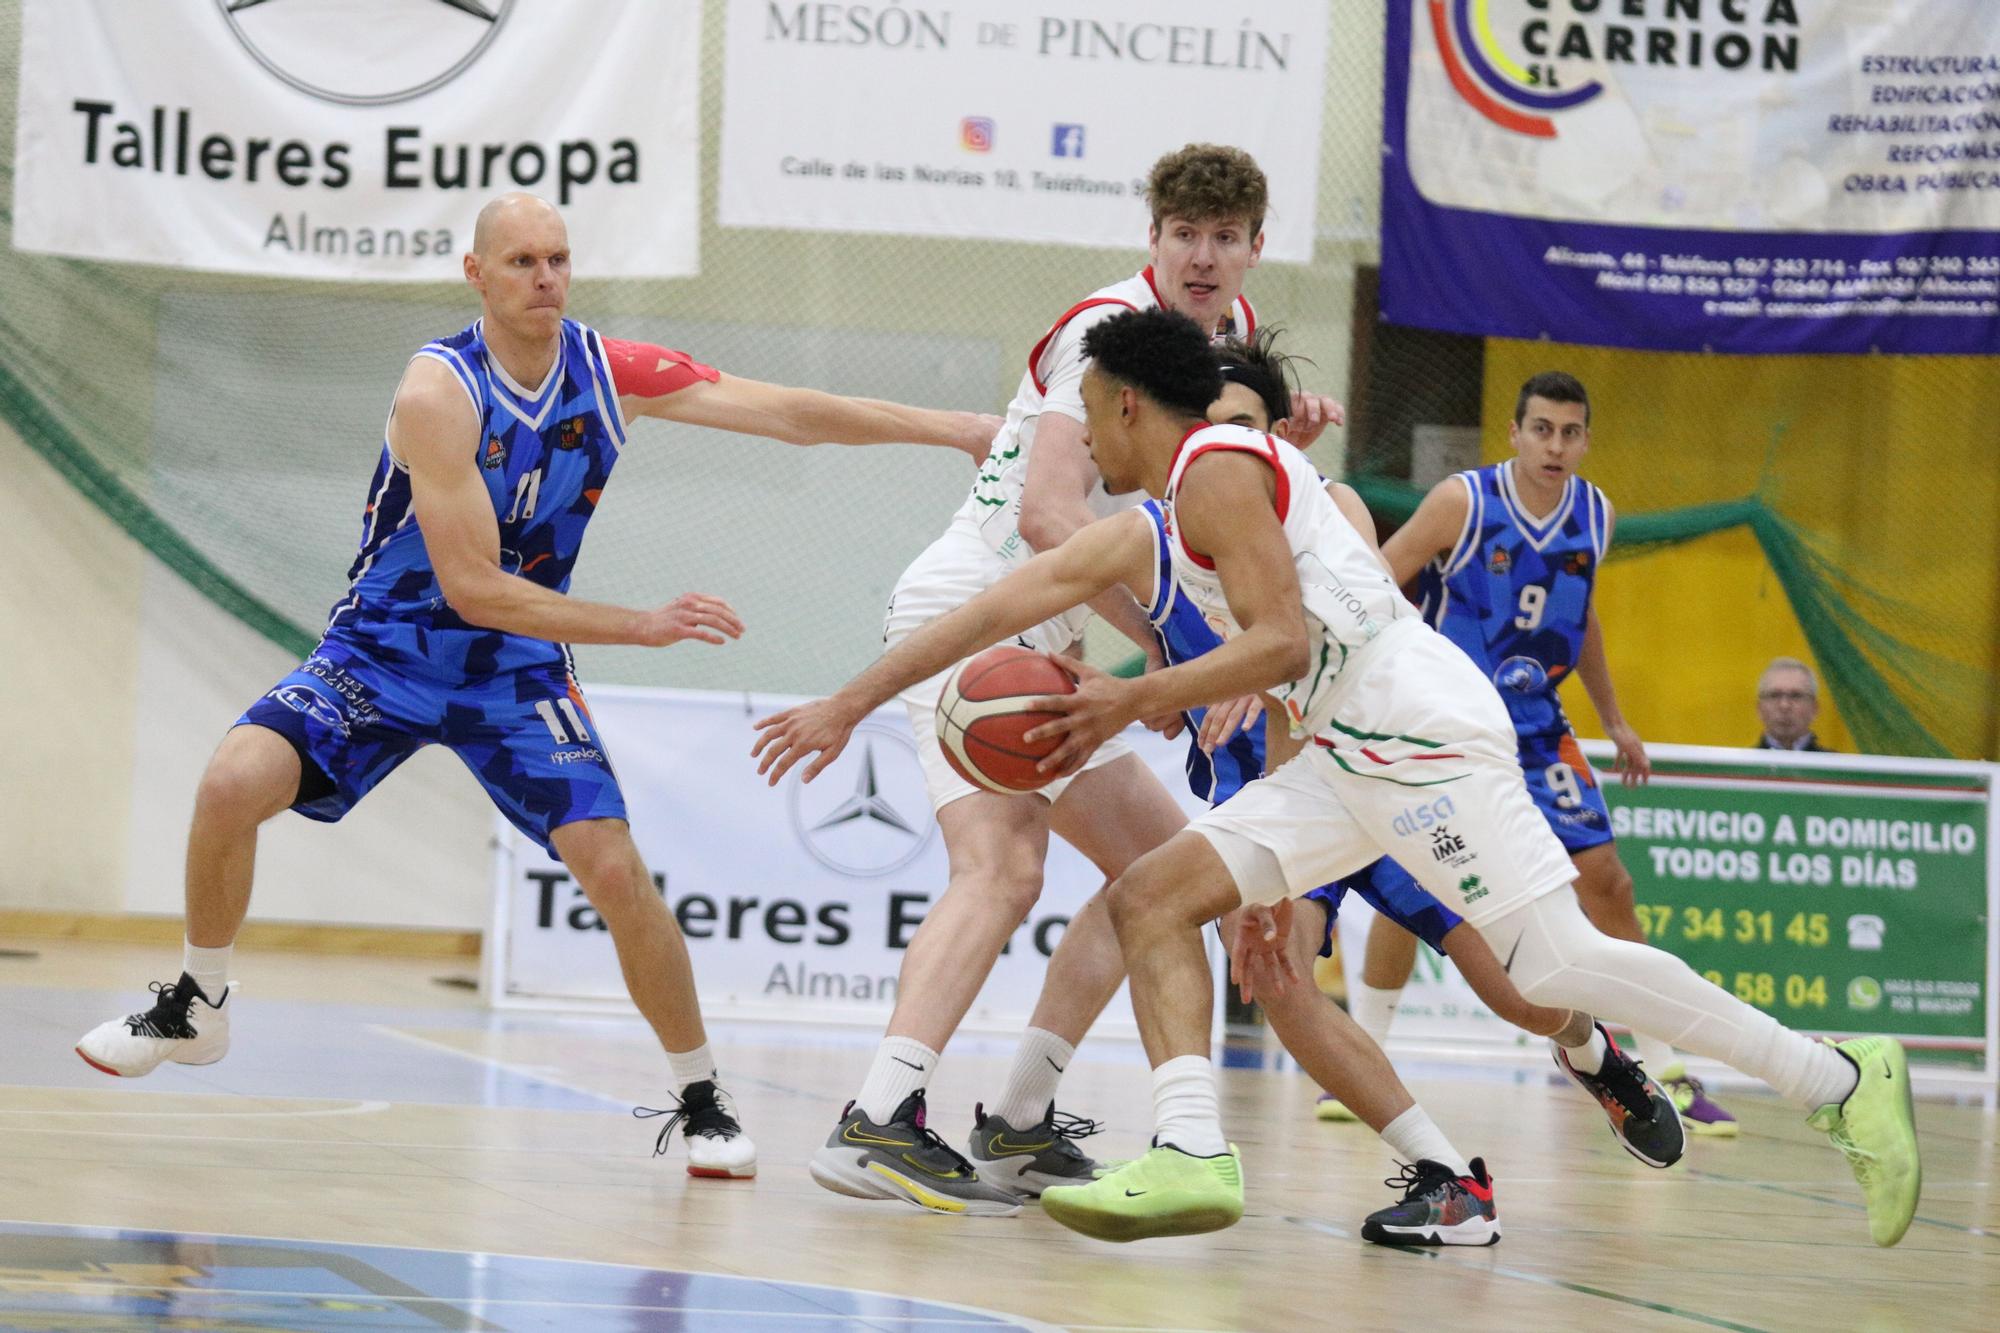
(1392, 713)
(456, 628)
(1037, 487)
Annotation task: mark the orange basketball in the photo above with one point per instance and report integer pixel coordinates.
(983, 713)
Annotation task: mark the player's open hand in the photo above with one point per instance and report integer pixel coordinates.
(817, 728)
(1221, 723)
(1634, 768)
(1260, 963)
(1094, 714)
(692, 615)
(1312, 413)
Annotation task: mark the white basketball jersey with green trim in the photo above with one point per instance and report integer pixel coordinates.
(1350, 600)
(984, 541)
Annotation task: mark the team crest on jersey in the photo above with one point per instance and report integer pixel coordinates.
(1577, 563)
(570, 434)
(496, 452)
(1500, 562)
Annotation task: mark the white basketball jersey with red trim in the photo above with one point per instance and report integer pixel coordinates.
(984, 541)
(1348, 594)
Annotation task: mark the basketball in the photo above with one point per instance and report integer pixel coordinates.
(983, 714)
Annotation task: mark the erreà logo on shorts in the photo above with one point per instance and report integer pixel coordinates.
(1415, 820)
(365, 54)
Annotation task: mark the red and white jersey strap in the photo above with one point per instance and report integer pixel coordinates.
(1055, 331)
(1228, 439)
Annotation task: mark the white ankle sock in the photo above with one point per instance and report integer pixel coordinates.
(1031, 1084)
(1185, 1113)
(1658, 1056)
(1560, 959)
(902, 1065)
(1589, 1057)
(209, 968)
(1374, 1010)
(691, 1066)
(1414, 1137)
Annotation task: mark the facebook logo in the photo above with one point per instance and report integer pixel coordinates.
(1066, 141)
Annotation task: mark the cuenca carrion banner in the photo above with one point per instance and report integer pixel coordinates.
(356, 139)
(1727, 175)
(988, 120)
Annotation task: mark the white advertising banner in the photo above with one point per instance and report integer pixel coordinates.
(981, 119)
(356, 139)
(797, 902)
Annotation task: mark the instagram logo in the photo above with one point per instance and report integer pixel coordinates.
(975, 134)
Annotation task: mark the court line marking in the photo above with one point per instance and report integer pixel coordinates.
(1023, 1322)
(1777, 1187)
(530, 1072)
(357, 1108)
(990, 1320)
(1523, 1275)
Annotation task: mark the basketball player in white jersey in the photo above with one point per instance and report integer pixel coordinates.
(1037, 487)
(1397, 719)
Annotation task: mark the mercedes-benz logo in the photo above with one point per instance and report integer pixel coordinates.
(365, 52)
(868, 813)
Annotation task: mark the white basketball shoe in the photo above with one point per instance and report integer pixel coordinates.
(183, 1026)
(717, 1146)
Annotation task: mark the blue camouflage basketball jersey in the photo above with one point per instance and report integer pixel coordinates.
(1184, 635)
(544, 453)
(399, 669)
(1514, 594)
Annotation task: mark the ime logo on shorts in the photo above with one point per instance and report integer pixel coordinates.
(975, 134)
(1066, 141)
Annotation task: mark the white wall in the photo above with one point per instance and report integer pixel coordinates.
(117, 681)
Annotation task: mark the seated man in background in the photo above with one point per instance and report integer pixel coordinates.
(1787, 703)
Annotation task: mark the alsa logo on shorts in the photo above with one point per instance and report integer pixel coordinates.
(1413, 822)
(570, 434)
(1472, 889)
(496, 452)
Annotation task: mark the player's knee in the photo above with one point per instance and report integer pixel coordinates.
(242, 786)
(1007, 881)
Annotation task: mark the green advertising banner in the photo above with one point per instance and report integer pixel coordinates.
(1841, 895)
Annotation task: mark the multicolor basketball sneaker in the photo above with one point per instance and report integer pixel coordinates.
(1165, 1193)
(905, 1159)
(1330, 1107)
(1642, 1116)
(1439, 1207)
(1876, 1129)
(1699, 1114)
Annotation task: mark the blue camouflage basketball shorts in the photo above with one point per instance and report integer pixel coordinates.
(1395, 893)
(373, 693)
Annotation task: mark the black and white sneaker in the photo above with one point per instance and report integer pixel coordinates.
(1642, 1116)
(183, 1026)
(905, 1160)
(717, 1146)
(1028, 1161)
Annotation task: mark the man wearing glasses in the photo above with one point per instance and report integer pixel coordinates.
(1787, 703)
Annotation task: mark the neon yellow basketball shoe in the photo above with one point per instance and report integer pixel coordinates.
(1877, 1131)
(1164, 1193)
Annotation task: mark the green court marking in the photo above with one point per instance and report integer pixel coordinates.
(1848, 1204)
(1522, 1275)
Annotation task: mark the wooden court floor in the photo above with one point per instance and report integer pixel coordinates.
(364, 1104)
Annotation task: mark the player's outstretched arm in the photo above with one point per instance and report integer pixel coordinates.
(657, 382)
(1115, 550)
(1226, 509)
(1434, 529)
(434, 431)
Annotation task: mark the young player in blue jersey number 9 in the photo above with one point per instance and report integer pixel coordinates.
(455, 631)
(1505, 559)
